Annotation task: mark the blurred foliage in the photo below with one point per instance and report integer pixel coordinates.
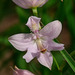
(52, 10)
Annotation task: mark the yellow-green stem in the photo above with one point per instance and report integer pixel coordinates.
(35, 11)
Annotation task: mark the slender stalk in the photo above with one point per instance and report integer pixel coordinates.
(35, 11)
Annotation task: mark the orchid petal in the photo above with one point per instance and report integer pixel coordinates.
(33, 23)
(30, 3)
(23, 3)
(53, 46)
(31, 53)
(22, 72)
(21, 41)
(52, 30)
(33, 48)
(46, 59)
(28, 56)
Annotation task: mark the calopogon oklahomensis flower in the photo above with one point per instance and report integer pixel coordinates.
(39, 43)
(18, 71)
(30, 3)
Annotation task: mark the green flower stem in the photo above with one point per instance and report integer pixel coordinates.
(68, 58)
(35, 11)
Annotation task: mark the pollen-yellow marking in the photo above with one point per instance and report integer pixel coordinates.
(40, 46)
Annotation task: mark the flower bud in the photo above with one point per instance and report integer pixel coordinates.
(21, 72)
(33, 23)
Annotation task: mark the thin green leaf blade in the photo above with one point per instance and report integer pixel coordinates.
(68, 58)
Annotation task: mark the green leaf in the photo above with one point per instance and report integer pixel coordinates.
(68, 58)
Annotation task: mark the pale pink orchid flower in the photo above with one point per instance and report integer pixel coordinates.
(30, 3)
(21, 72)
(39, 43)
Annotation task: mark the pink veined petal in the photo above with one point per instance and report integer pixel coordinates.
(53, 46)
(21, 41)
(52, 29)
(33, 23)
(23, 3)
(28, 56)
(46, 59)
(22, 72)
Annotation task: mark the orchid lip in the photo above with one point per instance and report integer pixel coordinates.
(40, 45)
